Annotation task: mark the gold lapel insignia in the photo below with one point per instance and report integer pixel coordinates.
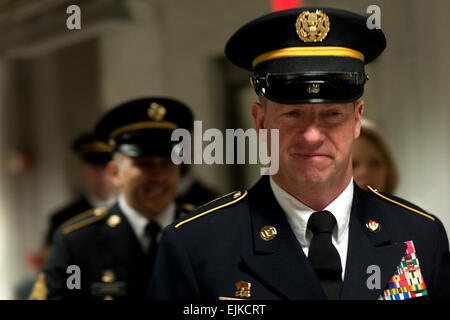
(113, 221)
(242, 289)
(156, 111)
(267, 233)
(312, 26)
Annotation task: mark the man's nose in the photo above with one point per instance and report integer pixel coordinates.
(312, 134)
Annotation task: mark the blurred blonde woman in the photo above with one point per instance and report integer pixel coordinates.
(373, 162)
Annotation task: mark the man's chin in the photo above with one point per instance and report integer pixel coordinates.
(157, 208)
(308, 178)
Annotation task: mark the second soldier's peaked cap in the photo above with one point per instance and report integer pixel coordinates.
(307, 54)
(90, 150)
(143, 127)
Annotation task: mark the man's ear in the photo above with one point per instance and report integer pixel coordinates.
(258, 114)
(359, 110)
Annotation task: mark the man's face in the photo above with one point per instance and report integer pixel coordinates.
(315, 140)
(369, 165)
(148, 184)
(96, 180)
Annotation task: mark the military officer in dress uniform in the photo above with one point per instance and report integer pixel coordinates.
(112, 251)
(307, 231)
(98, 190)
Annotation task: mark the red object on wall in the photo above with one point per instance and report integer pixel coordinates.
(278, 5)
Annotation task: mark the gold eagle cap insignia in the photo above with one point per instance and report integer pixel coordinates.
(312, 26)
(156, 111)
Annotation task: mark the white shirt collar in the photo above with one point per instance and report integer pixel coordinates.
(138, 222)
(298, 213)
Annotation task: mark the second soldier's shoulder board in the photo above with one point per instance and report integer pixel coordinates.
(84, 219)
(214, 205)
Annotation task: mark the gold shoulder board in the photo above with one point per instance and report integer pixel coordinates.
(84, 219)
(375, 191)
(222, 202)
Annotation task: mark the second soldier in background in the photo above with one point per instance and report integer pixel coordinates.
(115, 248)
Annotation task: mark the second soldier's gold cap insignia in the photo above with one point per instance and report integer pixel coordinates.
(113, 221)
(243, 289)
(156, 111)
(267, 233)
(373, 226)
(312, 26)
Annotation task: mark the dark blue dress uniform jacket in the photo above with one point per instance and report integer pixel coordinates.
(98, 247)
(204, 254)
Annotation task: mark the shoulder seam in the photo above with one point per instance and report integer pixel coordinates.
(213, 209)
(375, 191)
(99, 214)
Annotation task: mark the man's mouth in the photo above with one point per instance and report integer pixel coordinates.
(156, 192)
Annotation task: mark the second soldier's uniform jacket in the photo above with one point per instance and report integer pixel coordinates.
(58, 218)
(242, 246)
(101, 247)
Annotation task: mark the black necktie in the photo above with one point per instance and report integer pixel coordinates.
(151, 230)
(323, 255)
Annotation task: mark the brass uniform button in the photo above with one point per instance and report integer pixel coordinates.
(99, 211)
(108, 276)
(237, 195)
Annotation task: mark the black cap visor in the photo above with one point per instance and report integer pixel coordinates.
(145, 143)
(310, 87)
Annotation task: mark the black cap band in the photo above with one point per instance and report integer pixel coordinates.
(310, 87)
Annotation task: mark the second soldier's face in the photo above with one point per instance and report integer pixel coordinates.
(148, 184)
(315, 141)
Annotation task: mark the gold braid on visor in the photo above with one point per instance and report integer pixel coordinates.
(144, 125)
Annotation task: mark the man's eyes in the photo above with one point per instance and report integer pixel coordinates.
(325, 115)
(292, 113)
(333, 113)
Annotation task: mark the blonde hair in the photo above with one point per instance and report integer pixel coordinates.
(370, 131)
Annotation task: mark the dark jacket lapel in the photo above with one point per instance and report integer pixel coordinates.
(280, 263)
(366, 248)
(126, 254)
